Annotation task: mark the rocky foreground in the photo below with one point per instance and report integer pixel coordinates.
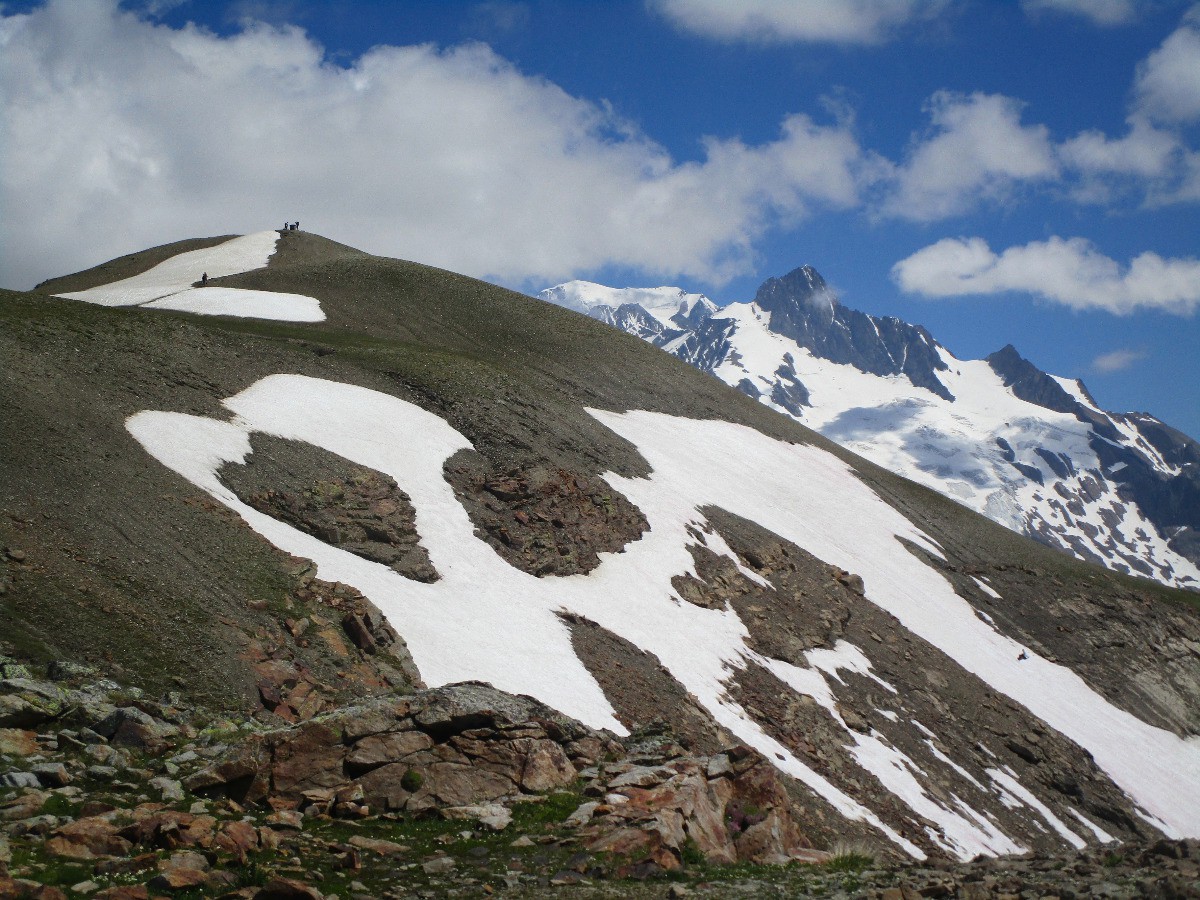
(457, 791)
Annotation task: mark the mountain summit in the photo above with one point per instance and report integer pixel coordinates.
(1029, 450)
(436, 481)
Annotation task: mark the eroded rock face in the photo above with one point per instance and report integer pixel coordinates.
(544, 521)
(730, 806)
(467, 749)
(351, 507)
(454, 746)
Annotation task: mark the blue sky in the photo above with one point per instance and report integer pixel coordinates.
(1001, 172)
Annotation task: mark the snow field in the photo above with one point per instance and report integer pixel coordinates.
(951, 447)
(486, 620)
(169, 285)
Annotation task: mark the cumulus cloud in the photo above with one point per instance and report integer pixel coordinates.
(977, 150)
(1116, 361)
(1100, 12)
(123, 133)
(787, 21)
(1069, 271)
(1168, 80)
(1145, 151)
(1146, 158)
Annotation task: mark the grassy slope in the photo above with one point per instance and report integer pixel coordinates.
(127, 561)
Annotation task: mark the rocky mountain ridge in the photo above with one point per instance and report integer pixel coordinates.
(1119, 489)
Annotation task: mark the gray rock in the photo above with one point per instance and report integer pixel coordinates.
(495, 816)
(108, 726)
(20, 779)
(439, 866)
(65, 670)
(52, 774)
(170, 789)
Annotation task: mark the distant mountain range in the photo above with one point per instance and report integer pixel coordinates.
(1030, 450)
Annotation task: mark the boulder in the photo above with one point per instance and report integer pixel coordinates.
(287, 889)
(17, 742)
(88, 838)
(52, 774)
(309, 756)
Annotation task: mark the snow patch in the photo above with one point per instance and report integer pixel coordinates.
(1009, 784)
(484, 615)
(169, 285)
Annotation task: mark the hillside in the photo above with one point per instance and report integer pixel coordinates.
(540, 502)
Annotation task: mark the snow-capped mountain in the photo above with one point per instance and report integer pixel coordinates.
(1032, 451)
(654, 314)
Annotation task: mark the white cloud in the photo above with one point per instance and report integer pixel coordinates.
(979, 150)
(1068, 271)
(1116, 361)
(121, 134)
(1145, 151)
(1100, 12)
(1168, 80)
(785, 21)
(1147, 160)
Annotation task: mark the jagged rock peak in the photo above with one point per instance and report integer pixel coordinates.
(804, 308)
(1031, 384)
(799, 286)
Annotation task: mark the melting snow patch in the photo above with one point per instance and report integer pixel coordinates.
(1101, 835)
(510, 620)
(223, 301)
(986, 588)
(169, 285)
(1008, 784)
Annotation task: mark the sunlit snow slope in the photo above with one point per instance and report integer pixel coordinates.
(1028, 450)
(169, 285)
(484, 619)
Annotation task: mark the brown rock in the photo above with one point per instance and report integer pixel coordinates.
(88, 839)
(286, 818)
(24, 805)
(638, 844)
(546, 767)
(455, 784)
(20, 889)
(237, 838)
(184, 859)
(181, 879)
(377, 845)
(241, 774)
(287, 889)
(380, 749)
(388, 786)
(308, 757)
(18, 742)
(382, 715)
(123, 892)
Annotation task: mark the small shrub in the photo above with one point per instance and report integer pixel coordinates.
(849, 858)
(412, 781)
(691, 854)
(739, 818)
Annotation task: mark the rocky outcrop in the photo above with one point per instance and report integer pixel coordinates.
(729, 807)
(353, 508)
(452, 746)
(803, 308)
(468, 751)
(544, 521)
